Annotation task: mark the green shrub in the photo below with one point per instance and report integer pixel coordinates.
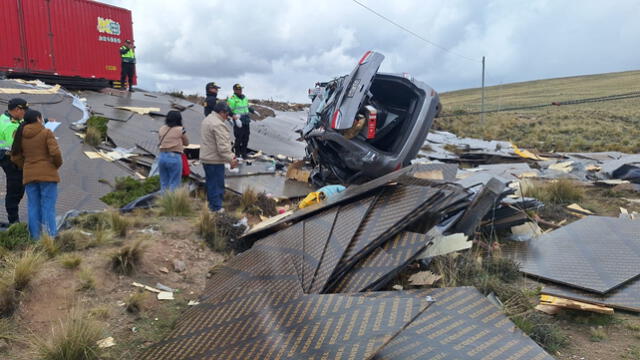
(176, 203)
(128, 189)
(17, 236)
(219, 229)
(119, 224)
(87, 280)
(100, 124)
(559, 192)
(70, 261)
(93, 137)
(24, 267)
(126, 260)
(75, 338)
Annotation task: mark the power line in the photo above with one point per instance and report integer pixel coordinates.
(413, 33)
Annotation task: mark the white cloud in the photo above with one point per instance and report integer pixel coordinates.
(279, 49)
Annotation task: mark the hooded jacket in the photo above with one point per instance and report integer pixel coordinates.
(41, 157)
(215, 147)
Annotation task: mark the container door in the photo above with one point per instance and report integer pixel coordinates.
(37, 31)
(12, 53)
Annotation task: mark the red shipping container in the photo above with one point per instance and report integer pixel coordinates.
(63, 38)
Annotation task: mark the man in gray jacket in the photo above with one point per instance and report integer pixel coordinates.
(215, 151)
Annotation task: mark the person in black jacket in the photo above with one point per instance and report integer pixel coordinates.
(211, 93)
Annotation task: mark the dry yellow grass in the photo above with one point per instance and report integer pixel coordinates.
(596, 126)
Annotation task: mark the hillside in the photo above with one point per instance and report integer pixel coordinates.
(612, 125)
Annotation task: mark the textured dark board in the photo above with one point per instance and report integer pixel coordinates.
(508, 171)
(596, 254)
(479, 178)
(288, 241)
(255, 269)
(484, 201)
(316, 235)
(323, 326)
(449, 171)
(626, 297)
(429, 213)
(394, 206)
(79, 187)
(353, 191)
(461, 324)
(276, 185)
(383, 263)
(347, 222)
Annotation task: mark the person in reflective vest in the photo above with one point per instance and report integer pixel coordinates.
(239, 105)
(9, 123)
(128, 67)
(211, 93)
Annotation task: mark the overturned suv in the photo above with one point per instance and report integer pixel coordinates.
(366, 124)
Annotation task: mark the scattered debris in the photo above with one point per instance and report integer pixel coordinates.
(165, 295)
(549, 309)
(146, 287)
(525, 232)
(165, 288)
(573, 304)
(446, 244)
(579, 209)
(424, 278)
(106, 342)
(295, 171)
(179, 266)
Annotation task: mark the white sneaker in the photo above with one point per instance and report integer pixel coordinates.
(219, 211)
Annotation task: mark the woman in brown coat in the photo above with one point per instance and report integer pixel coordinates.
(36, 151)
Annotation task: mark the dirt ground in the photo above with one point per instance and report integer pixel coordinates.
(55, 290)
(620, 339)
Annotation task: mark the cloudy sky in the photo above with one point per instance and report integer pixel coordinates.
(278, 49)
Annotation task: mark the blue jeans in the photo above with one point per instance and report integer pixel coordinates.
(214, 174)
(41, 207)
(170, 167)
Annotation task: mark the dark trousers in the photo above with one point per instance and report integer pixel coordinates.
(15, 190)
(128, 69)
(242, 139)
(214, 175)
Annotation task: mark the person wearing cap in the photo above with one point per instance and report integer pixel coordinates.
(211, 93)
(128, 63)
(239, 105)
(215, 151)
(9, 123)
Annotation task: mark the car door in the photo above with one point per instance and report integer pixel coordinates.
(353, 94)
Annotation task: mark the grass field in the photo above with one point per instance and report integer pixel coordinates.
(597, 126)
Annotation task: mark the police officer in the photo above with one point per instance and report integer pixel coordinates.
(9, 123)
(211, 93)
(128, 68)
(239, 105)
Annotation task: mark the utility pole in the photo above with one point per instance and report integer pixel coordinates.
(482, 106)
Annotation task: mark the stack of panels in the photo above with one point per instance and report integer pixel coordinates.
(461, 324)
(383, 264)
(594, 259)
(331, 326)
(294, 293)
